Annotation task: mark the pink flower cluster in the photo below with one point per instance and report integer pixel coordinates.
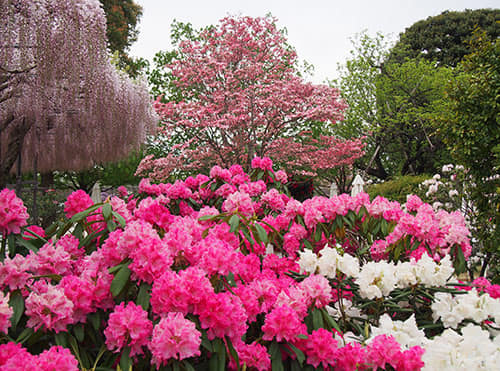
(201, 280)
(14, 357)
(13, 213)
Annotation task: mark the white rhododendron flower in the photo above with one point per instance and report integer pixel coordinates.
(327, 263)
(473, 350)
(452, 310)
(376, 279)
(406, 333)
(308, 261)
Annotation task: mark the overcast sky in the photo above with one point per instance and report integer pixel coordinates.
(320, 30)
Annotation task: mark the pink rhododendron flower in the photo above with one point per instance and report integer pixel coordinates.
(14, 272)
(222, 314)
(77, 202)
(321, 348)
(81, 294)
(47, 306)
(13, 213)
(174, 337)
(413, 202)
(57, 358)
(318, 290)
(254, 356)
(128, 325)
(239, 202)
(5, 313)
(283, 323)
(14, 357)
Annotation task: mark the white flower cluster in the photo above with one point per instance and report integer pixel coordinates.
(329, 262)
(473, 350)
(454, 309)
(406, 333)
(377, 279)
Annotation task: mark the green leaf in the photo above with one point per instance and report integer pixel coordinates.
(329, 319)
(16, 302)
(120, 280)
(144, 296)
(459, 263)
(26, 243)
(83, 214)
(317, 319)
(276, 359)
(206, 343)
(234, 222)
(107, 211)
(302, 336)
(308, 245)
(261, 232)
(317, 233)
(62, 339)
(233, 352)
(206, 217)
(24, 335)
(188, 366)
(119, 218)
(79, 332)
(300, 355)
(125, 360)
(95, 319)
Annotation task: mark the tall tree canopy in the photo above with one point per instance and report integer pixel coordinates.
(122, 19)
(62, 104)
(242, 97)
(444, 38)
(393, 105)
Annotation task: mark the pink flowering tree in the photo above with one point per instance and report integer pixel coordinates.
(242, 96)
(62, 104)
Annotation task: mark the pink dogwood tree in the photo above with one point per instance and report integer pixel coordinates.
(243, 97)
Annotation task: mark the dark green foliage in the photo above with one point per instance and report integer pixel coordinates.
(122, 18)
(444, 38)
(398, 188)
(471, 127)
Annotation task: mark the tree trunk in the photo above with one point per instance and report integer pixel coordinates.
(14, 142)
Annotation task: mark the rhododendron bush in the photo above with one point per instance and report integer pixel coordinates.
(228, 272)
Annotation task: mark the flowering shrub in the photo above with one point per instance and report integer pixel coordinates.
(227, 272)
(455, 189)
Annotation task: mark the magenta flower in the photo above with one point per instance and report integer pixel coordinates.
(5, 313)
(48, 306)
(128, 326)
(77, 202)
(174, 337)
(283, 323)
(13, 213)
(321, 348)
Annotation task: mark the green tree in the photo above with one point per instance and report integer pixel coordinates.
(392, 104)
(471, 128)
(122, 19)
(444, 38)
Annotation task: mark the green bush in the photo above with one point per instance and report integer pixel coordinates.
(398, 188)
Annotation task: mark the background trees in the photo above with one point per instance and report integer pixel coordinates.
(445, 38)
(242, 96)
(395, 92)
(63, 105)
(470, 125)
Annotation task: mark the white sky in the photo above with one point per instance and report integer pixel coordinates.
(318, 29)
